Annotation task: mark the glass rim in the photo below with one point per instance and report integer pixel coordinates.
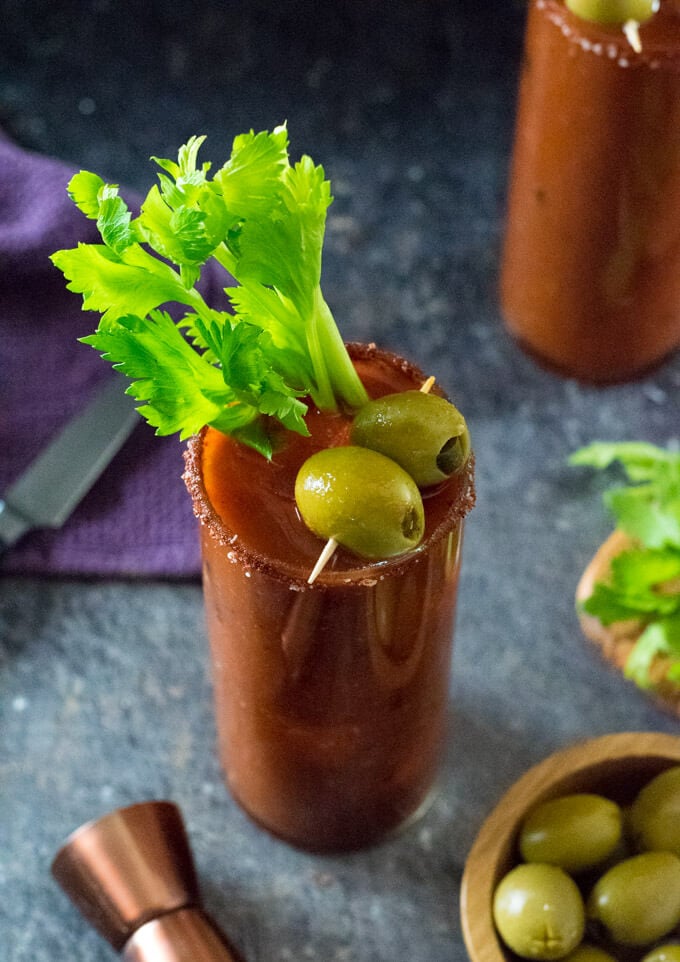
(609, 40)
(365, 573)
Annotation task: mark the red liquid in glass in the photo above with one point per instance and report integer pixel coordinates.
(330, 700)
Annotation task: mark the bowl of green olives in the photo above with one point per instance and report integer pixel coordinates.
(580, 859)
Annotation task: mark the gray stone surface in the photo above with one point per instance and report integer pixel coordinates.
(105, 693)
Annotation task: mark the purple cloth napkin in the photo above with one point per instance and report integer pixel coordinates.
(137, 519)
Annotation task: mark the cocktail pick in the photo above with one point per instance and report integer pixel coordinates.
(131, 874)
(327, 553)
(631, 29)
(331, 545)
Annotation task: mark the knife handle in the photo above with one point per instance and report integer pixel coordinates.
(12, 526)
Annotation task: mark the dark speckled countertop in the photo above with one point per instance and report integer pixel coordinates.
(409, 106)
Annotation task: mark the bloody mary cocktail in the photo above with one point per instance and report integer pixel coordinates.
(330, 699)
(590, 279)
(330, 696)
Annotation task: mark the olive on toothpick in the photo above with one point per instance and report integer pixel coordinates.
(360, 499)
(422, 432)
(628, 14)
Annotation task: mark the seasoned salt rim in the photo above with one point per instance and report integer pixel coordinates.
(609, 41)
(390, 567)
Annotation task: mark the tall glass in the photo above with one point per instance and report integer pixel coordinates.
(590, 278)
(330, 699)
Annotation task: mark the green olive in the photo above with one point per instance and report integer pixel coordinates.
(638, 900)
(614, 11)
(538, 911)
(362, 499)
(590, 953)
(669, 952)
(655, 813)
(575, 832)
(423, 433)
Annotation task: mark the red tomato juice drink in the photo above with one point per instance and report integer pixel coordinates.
(590, 278)
(330, 699)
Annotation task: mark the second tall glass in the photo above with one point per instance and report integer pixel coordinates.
(590, 279)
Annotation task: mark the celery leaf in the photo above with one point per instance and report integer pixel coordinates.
(132, 283)
(659, 639)
(182, 391)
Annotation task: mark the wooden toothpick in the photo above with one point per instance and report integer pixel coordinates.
(331, 545)
(322, 560)
(631, 28)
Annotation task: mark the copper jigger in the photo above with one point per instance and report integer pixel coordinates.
(131, 874)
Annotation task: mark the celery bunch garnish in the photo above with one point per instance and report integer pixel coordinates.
(263, 220)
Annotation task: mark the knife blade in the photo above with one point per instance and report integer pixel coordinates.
(54, 483)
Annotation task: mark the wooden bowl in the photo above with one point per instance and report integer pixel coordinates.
(613, 765)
